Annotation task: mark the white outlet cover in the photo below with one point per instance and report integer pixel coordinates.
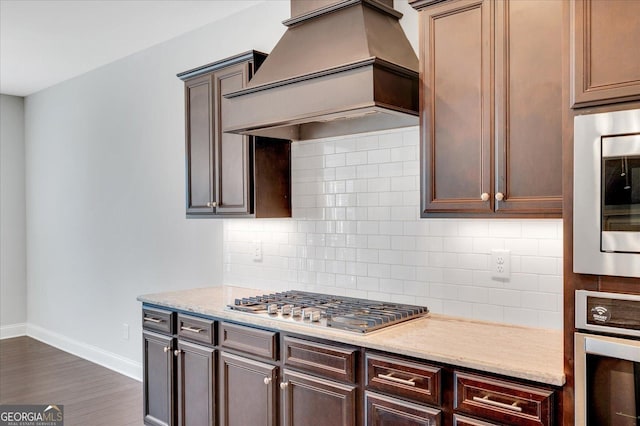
(500, 264)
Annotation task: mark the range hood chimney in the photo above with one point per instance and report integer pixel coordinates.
(342, 67)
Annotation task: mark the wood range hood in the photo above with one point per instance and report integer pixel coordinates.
(341, 67)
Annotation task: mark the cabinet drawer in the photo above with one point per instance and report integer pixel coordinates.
(407, 379)
(196, 329)
(250, 340)
(383, 410)
(158, 320)
(326, 360)
(459, 420)
(502, 401)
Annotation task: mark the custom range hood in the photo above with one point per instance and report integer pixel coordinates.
(341, 67)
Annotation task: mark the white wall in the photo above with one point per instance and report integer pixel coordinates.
(105, 191)
(355, 231)
(13, 272)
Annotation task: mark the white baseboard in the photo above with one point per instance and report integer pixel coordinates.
(91, 353)
(13, 330)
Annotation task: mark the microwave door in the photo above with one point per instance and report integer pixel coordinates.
(620, 194)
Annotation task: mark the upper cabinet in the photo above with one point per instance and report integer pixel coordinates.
(491, 108)
(605, 51)
(228, 174)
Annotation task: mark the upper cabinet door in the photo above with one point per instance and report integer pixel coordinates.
(606, 51)
(232, 152)
(528, 102)
(491, 108)
(199, 145)
(456, 109)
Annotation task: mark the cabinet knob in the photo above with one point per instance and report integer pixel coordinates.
(177, 352)
(212, 204)
(499, 196)
(484, 196)
(284, 385)
(166, 349)
(267, 380)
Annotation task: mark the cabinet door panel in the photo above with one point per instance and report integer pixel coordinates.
(196, 386)
(529, 106)
(456, 146)
(308, 400)
(158, 388)
(606, 63)
(232, 151)
(199, 145)
(245, 397)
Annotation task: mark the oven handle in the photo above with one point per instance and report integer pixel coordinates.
(593, 345)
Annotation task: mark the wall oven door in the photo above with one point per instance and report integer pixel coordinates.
(607, 367)
(607, 381)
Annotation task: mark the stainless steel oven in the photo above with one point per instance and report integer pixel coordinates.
(607, 359)
(607, 193)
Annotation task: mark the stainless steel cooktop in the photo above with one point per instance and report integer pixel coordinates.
(345, 313)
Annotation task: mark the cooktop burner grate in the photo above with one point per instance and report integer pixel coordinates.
(345, 313)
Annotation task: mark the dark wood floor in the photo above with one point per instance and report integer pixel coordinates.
(32, 372)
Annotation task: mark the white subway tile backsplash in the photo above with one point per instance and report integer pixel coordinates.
(391, 169)
(356, 231)
(335, 160)
(378, 156)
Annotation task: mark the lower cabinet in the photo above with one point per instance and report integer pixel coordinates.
(159, 376)
(196, 385)
(459, 420)
(501, 401)
(310, 400)
(386, 411)
(203, 372)
(247, 391)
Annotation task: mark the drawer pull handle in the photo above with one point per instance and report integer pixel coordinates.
(153, 320)
(284, 385)
(267, 380)
(392, 378)
(166, 349)
(191, 329)
(486, 400)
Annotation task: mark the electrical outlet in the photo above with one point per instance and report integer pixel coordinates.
(257, 251)
(501, 264)
(125, 331)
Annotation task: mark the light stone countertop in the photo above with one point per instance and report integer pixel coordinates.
(522, 352)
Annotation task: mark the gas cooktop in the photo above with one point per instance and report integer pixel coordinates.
(345, 313)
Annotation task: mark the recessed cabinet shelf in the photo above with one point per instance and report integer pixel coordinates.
(230, 175)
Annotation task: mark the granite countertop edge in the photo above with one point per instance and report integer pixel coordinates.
(537, 356)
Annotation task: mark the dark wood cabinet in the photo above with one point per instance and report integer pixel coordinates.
(247, 391)
(229, 174)
(386, 411)
(178, 382)
(158, 379)
(196, 385)
(491, 108)
(503, 401)
(203, 371)
(605, 59)
(311, 400)
(459, 420)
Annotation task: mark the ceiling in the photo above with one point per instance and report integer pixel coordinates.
(44, 42)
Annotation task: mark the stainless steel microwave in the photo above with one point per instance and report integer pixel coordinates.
(606, 194)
